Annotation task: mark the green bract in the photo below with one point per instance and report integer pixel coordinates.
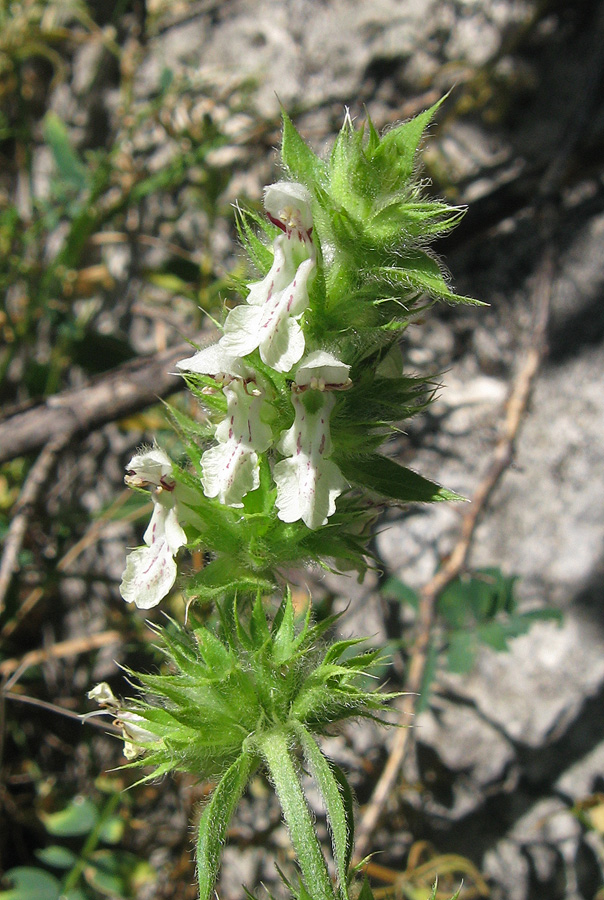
(254, 696)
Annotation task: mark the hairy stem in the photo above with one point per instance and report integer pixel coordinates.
(275, 749)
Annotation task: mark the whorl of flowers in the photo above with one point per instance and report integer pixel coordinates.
(305, 383)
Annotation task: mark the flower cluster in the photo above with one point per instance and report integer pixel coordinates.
(307, 481)
(306, 381)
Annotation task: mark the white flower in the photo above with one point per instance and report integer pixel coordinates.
(151, 570)
(322, 371)
(230, 469)
(308, 482)
(288, 206)
(269, 321)
(134, 735)
(151, 466)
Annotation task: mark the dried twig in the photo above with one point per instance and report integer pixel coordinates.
(60, 710)
(455, 563)
(33, 485)
(119, 393)
(16, 667)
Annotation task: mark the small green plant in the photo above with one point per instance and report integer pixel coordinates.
(477, 609)
(89, 872)
(301, 391)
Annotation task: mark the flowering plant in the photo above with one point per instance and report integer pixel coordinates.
(300, 391)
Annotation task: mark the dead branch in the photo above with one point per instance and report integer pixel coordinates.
(34, 483)
(121, 392)
(454, 565)
(16, 667)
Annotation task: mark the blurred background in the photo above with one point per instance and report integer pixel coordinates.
(128, 130)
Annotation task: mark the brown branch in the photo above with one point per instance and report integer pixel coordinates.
(16, 667)
(60, 710)
(121, 392)
(34, 483)
(455, 563)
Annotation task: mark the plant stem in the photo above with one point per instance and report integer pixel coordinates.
(72, 878)
(274, 746)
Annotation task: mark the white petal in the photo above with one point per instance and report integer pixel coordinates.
(148, 467)
(243, 423)
(283, 344)
(149, 575)
(321, 366)
(103, 695)
(281, 273)
(290, 203)
(134, 735)
(214, 360)
(307, 490)
(229, 472)
(310, 434)
(241, 330)
(173, 533)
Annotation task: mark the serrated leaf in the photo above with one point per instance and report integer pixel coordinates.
(421, 272)
(79, 817)
(384, 476)
(29, 883)
(302, 163)
(215, 821)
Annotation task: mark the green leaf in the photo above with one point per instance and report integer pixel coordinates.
(302, 163)
(276, 749)
(461, 653)
(217, 658)
(29, 883)
(112, 830)
(366, 893)
(259, 629)
(117, 873)
(421, 272)
(79, 817)
(57, 857)
(337, 815)
(70, 167)
(398, 590)
(397, 148)
(284, 634)
(215, 821)
(384, 476)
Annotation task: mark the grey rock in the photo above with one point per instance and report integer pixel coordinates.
(535, 692)
(479, 757)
